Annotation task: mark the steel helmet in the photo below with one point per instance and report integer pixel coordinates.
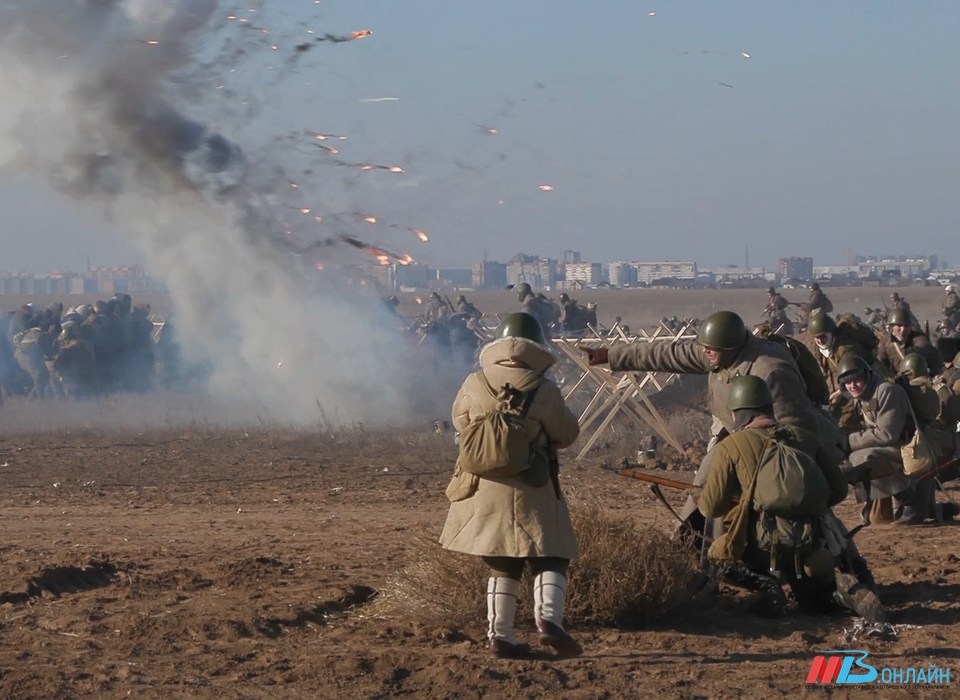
(748, 392)
(520, 325)
(914, 365)
(524, 288)
(460, 299)
(850, 367)
(564, 297)
(899, 317)
(950, 288)
(815, 287)
(820, 324)
(723, 330)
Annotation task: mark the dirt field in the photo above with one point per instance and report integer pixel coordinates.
(175, 555)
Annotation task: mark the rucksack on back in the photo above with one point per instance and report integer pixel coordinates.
(858, 331)
(790, 484)
(816, 383)
(949, 403)
(497, 444)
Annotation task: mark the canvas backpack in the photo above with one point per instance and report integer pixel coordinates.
(858, 331)
(816, 383)
(497, 443)
(949, 403)
(790, 484)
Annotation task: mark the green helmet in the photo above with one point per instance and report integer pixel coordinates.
(520, 325)
(748, 392)
(850, 367)
(723, 330)
(898, 317)
(914, 365)
(460, 299)
(524, 288)
(564, 297)
(820, 324)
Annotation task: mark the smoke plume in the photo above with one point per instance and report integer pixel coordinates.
(115, 104)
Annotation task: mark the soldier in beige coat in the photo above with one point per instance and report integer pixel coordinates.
(510, 522)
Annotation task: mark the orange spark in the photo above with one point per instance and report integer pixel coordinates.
(360, 34)
(418, 300)
(366, 166)
(319, 266)
(395, 169)
(545, 188)
(304, 210)
(420, 234)
(152, 42)
(370, 219)
(405, 259)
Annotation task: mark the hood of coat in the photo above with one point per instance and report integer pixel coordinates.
(535, 356)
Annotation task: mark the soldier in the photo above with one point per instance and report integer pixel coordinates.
(436, 310)
(951, 306)
(875, 466)
(951, 375)
(511, 522)
(75, 367)
(572, 316)
(531, 304)
(819, 303)
(776, 313)
(756, 544)
(723, 350)
(831, 344)
(467, 308)
(903, 337)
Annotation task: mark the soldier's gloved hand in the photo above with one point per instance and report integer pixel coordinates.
(596, 355)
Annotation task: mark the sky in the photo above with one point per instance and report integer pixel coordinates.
(666, 130)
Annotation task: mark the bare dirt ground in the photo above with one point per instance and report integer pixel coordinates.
(172, 556)
(201, 562)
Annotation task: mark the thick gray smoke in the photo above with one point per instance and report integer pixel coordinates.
(104, 100)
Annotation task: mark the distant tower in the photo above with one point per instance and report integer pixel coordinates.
(746, 258)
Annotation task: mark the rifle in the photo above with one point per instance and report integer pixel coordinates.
(652, 479)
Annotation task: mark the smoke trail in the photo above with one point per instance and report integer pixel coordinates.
(98, 100)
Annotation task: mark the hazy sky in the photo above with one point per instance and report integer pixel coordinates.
(660, 138)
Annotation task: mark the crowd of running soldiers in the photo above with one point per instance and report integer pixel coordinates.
(86, 350)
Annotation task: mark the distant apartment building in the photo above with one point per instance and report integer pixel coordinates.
(539, 273)
(583, 273)
(571, 256)
(795, 267)
(101, 280)
(622, 274)
(489, 275)
(650, 272)
(879, 266)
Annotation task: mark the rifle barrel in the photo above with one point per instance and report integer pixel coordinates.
(652, 479)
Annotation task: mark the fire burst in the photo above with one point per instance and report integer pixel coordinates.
(420, 234)
(545, 188)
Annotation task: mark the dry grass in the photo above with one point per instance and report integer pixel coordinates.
(625, 574)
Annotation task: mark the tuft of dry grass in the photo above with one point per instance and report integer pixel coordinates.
(626, 574)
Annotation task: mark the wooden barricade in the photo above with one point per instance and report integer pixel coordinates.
(619, 394)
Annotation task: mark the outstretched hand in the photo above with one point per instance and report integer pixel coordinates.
(595, 355)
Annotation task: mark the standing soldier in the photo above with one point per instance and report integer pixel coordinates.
(466, 308)
(819, 302)
(514, 521)
(776, 313)
(951, 306)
